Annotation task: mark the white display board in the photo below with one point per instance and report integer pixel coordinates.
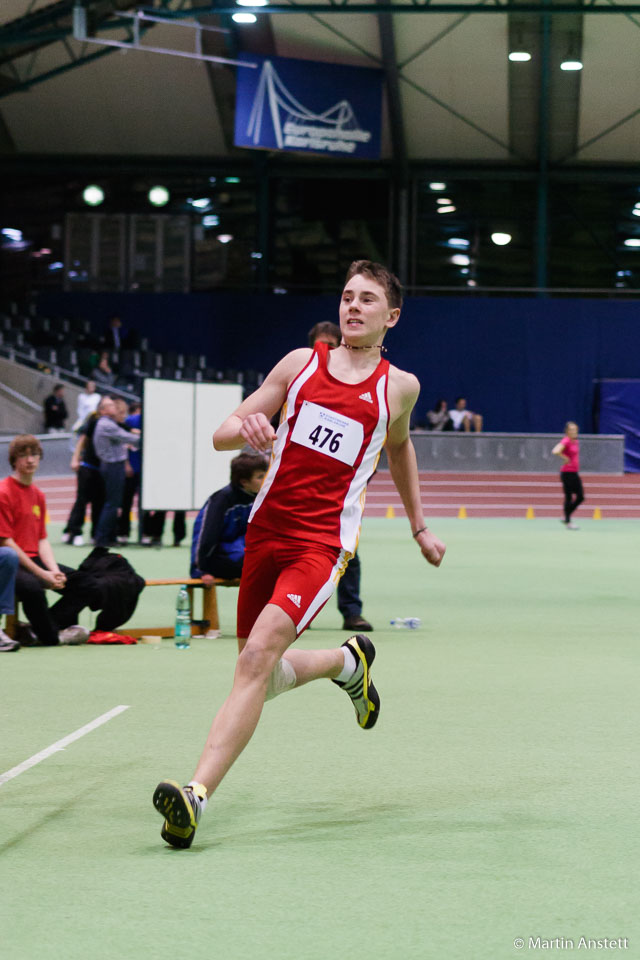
(180, 468)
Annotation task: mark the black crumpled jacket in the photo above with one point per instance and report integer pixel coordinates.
(106, 582)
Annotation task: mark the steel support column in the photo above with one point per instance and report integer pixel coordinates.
(542, 225)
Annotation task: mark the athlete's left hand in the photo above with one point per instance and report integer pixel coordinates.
(433, 550)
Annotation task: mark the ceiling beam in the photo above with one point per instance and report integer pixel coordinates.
(392, 81)
(388, 6)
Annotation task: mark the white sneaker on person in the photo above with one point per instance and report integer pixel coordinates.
(7, 645)
(572, 526)
(72, 636)
(78, 540)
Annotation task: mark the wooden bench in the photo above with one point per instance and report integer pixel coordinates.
(210, 621)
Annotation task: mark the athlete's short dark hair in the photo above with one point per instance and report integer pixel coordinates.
(381, 275)
(23, 444)
(245, 465)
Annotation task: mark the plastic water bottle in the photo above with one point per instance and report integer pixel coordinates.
(183, 620)
(406, 623)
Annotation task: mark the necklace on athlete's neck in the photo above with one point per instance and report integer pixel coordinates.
(370, 346)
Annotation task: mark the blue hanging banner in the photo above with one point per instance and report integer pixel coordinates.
(309, 107)
(620, 413)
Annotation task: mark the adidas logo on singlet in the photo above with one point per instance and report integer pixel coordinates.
(295, 598)
(366, 396)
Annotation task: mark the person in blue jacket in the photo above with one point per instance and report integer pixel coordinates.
(217, 545)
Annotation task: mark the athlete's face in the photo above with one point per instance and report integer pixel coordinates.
(365, 313)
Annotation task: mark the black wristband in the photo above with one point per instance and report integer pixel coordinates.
(421, 530)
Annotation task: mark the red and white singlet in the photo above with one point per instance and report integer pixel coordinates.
(327, 447)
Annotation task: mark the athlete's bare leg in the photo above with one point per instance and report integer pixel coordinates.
(315, 664)
(235, 722)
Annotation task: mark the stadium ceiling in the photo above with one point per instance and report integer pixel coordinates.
(452, 95)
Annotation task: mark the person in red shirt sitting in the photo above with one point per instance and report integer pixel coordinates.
(22, 527)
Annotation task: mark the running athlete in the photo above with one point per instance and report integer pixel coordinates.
(339, 407)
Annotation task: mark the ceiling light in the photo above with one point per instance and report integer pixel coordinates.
(158, 196)
(202, 203)
(636, 212)
(449, 209)
(571, 65)
(252, 3)
(12, 234)
(461, 260)
(211, 220)
(225, 237)
(436, 185)
(445, 201)
(632, 242)
(93, 195)
(471, 283)
(243, 17)
(457, 242)
(519, 56)
(501, 239)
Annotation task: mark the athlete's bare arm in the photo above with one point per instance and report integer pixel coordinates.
(403, 393)
(250, 423)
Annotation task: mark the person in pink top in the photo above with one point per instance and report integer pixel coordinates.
(569, 450)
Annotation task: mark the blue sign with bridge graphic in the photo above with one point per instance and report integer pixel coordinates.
(309, 107)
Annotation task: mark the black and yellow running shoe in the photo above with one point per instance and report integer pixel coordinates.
(360, 688)
(181, 807)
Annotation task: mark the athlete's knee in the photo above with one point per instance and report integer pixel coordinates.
(255, 662)
(282, 678)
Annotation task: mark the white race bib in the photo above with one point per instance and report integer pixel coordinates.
(328, 432)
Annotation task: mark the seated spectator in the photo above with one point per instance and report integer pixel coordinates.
(55, 411)
(464, 419)
(217, 546)
(325, 332)
(117, 337)
(8, 568)
(103, 374)
(438, 418)
(22, 527)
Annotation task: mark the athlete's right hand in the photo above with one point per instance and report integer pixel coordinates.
(433, 550)
(256, 430)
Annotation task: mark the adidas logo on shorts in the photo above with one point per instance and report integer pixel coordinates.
(295, 598)
(366, 396)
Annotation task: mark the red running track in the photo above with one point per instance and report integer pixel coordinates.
(507, 495)
(443, 495)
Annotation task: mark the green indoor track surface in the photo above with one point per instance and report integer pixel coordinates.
(496, 799)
